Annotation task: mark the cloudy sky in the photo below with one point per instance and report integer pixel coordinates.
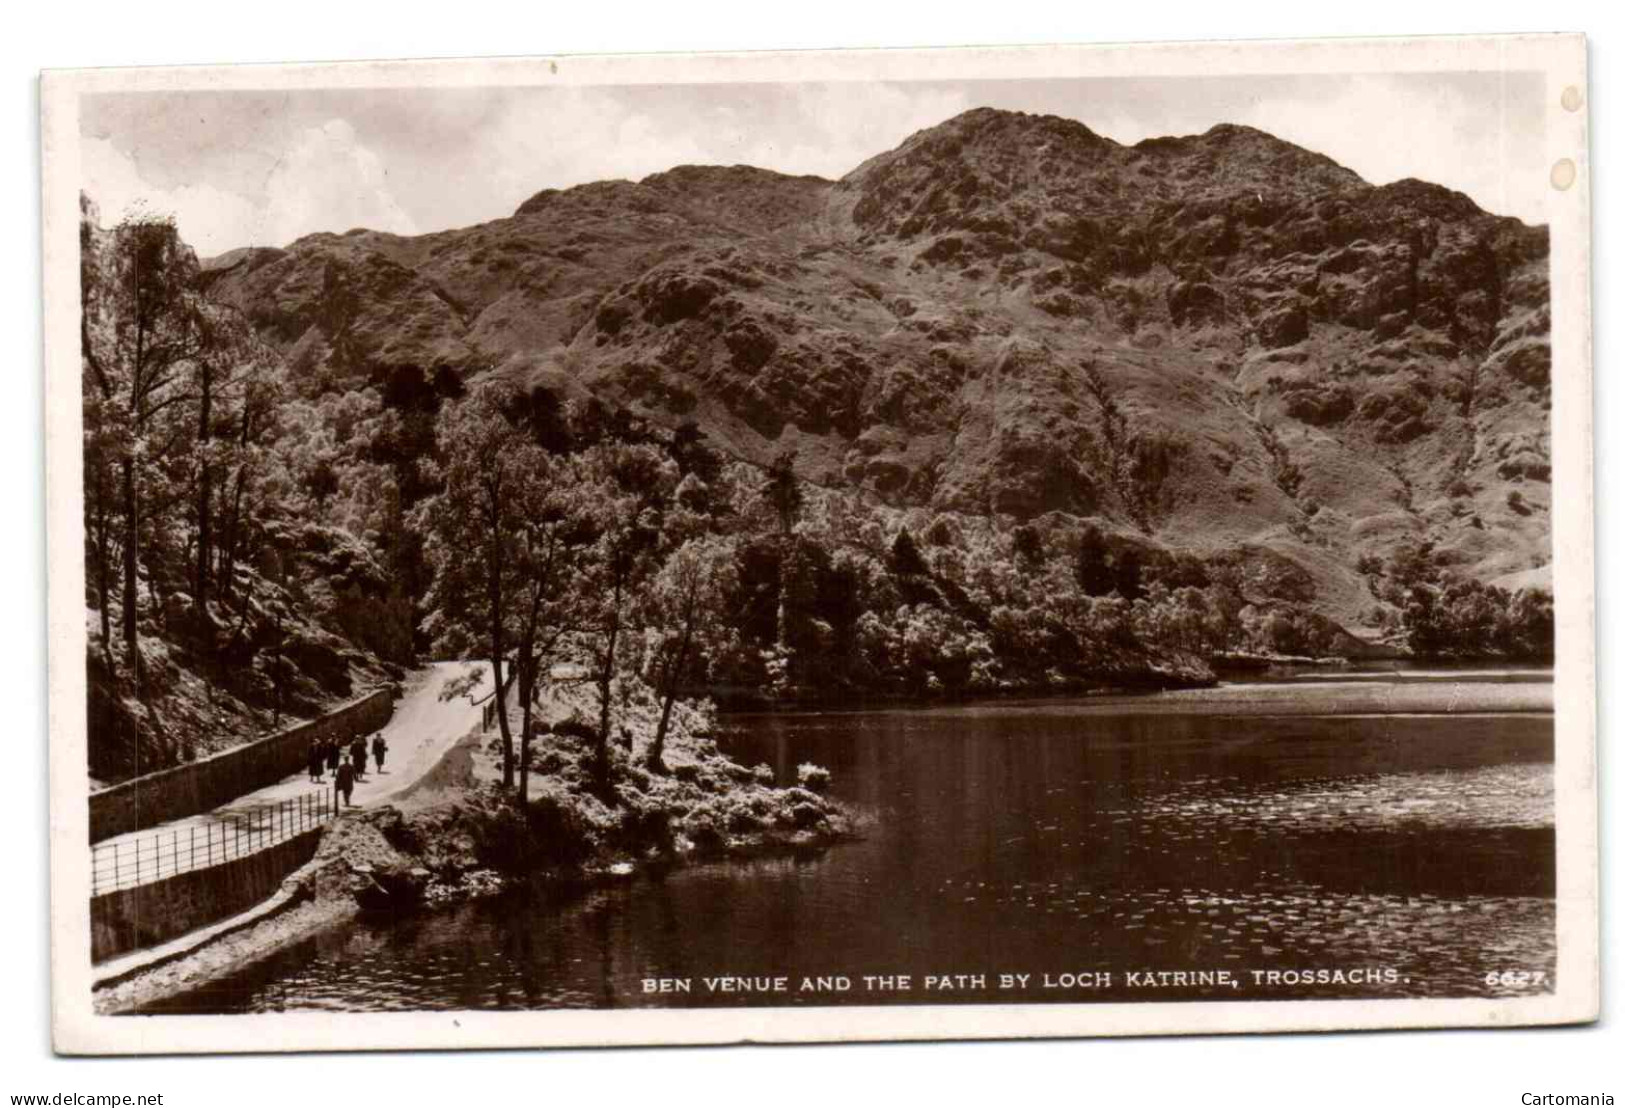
(263, 168)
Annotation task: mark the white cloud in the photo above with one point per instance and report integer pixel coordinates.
(566, 137)
(1386, 130)
(1481, 134)
(210, 220)
(570, 137)
(269, 171)
(846, 124)
(325, 181)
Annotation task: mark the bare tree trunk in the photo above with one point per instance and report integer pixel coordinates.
(228, 569)
(132, 529)
(103, 570)
(527, 690)
(278, 677)
(606, 674)
(657, 751)
(228, 565)
(670, 679)
(494, 597)
(156, 594)
(200, 591)
(131, 543)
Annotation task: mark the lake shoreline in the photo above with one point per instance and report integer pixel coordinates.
(1235, 697)
(335, 891)
(459, 835)
(1065, 720)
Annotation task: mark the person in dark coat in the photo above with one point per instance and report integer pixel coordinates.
(358, 755)
(379, 749)
(346, 780)
(333, 753)
(316, 760)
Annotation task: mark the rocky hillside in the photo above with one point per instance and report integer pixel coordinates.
(1221, 344)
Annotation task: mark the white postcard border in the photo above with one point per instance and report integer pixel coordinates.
(78, 1029)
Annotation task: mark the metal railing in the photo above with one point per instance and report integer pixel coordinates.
(224, 837)
(225, 777)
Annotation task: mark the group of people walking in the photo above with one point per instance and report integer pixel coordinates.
(348, 764)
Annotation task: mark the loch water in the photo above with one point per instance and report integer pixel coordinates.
(1313, 835)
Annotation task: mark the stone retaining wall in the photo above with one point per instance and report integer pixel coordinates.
(207, 783)
(146, 915)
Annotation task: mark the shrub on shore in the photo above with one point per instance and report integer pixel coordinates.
(704, 805)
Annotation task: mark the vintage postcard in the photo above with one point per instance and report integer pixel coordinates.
(821, 546)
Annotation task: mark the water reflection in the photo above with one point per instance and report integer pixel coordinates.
(1044, 838)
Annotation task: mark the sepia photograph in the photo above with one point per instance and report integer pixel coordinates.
(883, 545)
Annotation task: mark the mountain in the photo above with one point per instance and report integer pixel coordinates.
(1222, 345)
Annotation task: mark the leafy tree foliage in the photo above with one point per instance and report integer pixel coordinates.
(493, 480)
(623, 495)
(1461, 617)
(685, 625)
(213, 551)
(784, 490)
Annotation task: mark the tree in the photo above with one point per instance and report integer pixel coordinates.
(622, 494)
(1128, 575)
(101, 455)
(250, 436)
(100, 443)
(684, 621)
(905, 555)
(1413, 563)
(339, 306)
(473, 538)
(547, 512)
(231, 365)
(784, 490)
(1094, 563)
(140, 330)
(164, 369)
(693, 453)
(1028, 544)
(1529, 627)
(1463, 617)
